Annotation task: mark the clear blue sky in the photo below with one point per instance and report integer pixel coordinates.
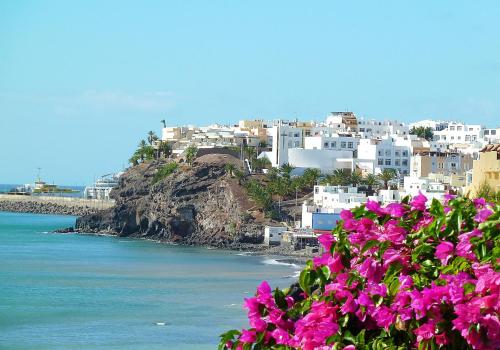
(81, 82)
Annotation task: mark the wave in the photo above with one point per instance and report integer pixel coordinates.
(295, 275)
(270, 261)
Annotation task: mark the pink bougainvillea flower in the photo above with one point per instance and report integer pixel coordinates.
(425, 331)
(483, 215)
(374, 207)
(281, 336)
(396, 210)
(346, 214)
(444, 252)
(479, 202)
(248, 336)
(326, 240)
(418, 202)
(464, 246)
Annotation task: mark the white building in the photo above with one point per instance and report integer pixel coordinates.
(330, 200)
(457, 132)
(492, 135)
(376, 128)
(375, 155)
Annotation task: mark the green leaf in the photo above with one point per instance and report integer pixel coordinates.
(369, 244)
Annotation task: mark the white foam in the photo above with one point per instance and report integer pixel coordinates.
(160, 323)
(277, 262)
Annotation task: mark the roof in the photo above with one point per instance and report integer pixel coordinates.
(491, 148)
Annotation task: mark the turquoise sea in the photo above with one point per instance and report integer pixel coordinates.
(68, 291)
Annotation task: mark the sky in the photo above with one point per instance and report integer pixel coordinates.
(82, 82)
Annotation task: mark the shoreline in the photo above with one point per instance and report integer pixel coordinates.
(283, 256)
(287, 256)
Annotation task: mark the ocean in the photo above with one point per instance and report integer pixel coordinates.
(69, 291)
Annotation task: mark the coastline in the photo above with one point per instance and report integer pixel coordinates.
(282, 255)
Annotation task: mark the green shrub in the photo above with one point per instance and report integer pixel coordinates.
(164, 171)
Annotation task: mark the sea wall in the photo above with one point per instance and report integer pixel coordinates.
(52, 205)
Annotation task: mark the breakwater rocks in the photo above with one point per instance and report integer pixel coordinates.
(38, 207)
(199, 204)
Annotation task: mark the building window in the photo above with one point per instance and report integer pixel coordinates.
(296, 134)
(405, 153)
(297, 143)
(290, 134)
(380, 152)
(342, 144)
(326, 144)
(380, 161)
(396, 153)
(473, 137)
(452, 128)
(349, 145)
(396, 162)
(487, 132)
(467, 137)
(453, 137)
(387, 162)
(333, 144)
(404, 162)
(459, 128)
(387, 152)
(493, 132)
(361, 129)
(459, 137)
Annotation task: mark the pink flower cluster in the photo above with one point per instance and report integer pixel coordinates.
(400, 275)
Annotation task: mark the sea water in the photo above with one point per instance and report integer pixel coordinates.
(70, 291)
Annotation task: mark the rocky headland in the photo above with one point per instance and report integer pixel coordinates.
(199, 204)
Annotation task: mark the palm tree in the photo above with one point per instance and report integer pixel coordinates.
(371, 181)
(310, 177)
(423, 132)
(286, 170)
(152, 137)
(142, 144)
(230, 169)
(165, 149)
(355, 178)
(386, 176)
(340, 177)
(191, 153)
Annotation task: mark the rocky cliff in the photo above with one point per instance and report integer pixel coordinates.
(199, 204)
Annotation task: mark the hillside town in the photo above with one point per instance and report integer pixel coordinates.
(429, 157)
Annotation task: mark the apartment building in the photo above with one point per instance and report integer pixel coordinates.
(486, 169)
(446, 163)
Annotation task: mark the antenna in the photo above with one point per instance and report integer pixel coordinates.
(39, 170)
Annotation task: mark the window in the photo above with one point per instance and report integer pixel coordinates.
(349, 145)
(470, 129)
(453, 137)
(396, 153)
(452, 128)
(342, 144)
(380, 161)
(296, 134)
(459, 128)
(396, 162)
(459, 137)
(404, 162)
(405, 153)
(453, 165)
(297, 143)
(326, 144)
(467, 137)
(361, 129)
(493, 132)
(487, 132)
(387, 152)
(379, 152)
(333, 144)
(444, 137)
(387, 162)
(290, 134)
(473, 137)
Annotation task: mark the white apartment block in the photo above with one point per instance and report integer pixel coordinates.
(492, 135)
(459, 133)
(375, 128)
(375, 155)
